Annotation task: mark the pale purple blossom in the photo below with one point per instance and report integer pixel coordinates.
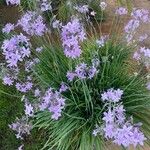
(72, 34)
(118, 129)
(16, 49)
(92, 72)
(24, 87)
(70, 75)
(121, 11)
(12, 2)
(141, 14)
(7, 80)
(112, 95)
(32, 24)
(8, 28)
(81, 71)
(53, 102)
(131, 26)
(29, 110)
(63, 87)
(21, 127)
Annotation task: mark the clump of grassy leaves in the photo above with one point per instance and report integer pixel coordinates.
(83, 104)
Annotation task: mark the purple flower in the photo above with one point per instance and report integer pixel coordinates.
(8, 28)
(131, 26)
(70, 75)
(8, 80)
(24, 87)
(141, 14)
(16, 49)
(121, 11)
(32, 24)
(12, 2)
(118, 129)
(81, 71)
(21, 127)
(72, 34)
(123, 136)
(29, 110)
(53, 102)
(109, 131)
(112, 95)
(109, 116)
(63, 87)
(92, 72)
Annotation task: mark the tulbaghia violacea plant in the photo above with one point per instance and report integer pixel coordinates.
(83, 89)
(103, 98)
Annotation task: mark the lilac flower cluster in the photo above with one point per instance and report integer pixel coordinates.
(115, 126)
(141, 14)
(32, 24)
(12, 2)
(121, 11)
(112, 95)
(16, 49)
(53, 102)
(8, 28)
(24, 87)
(22, 127)
(72, 34)
(29, 110)
(143, 55)
(138, 16)
(7, 80)
(83, 71)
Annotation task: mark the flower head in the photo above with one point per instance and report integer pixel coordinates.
(8, 28)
